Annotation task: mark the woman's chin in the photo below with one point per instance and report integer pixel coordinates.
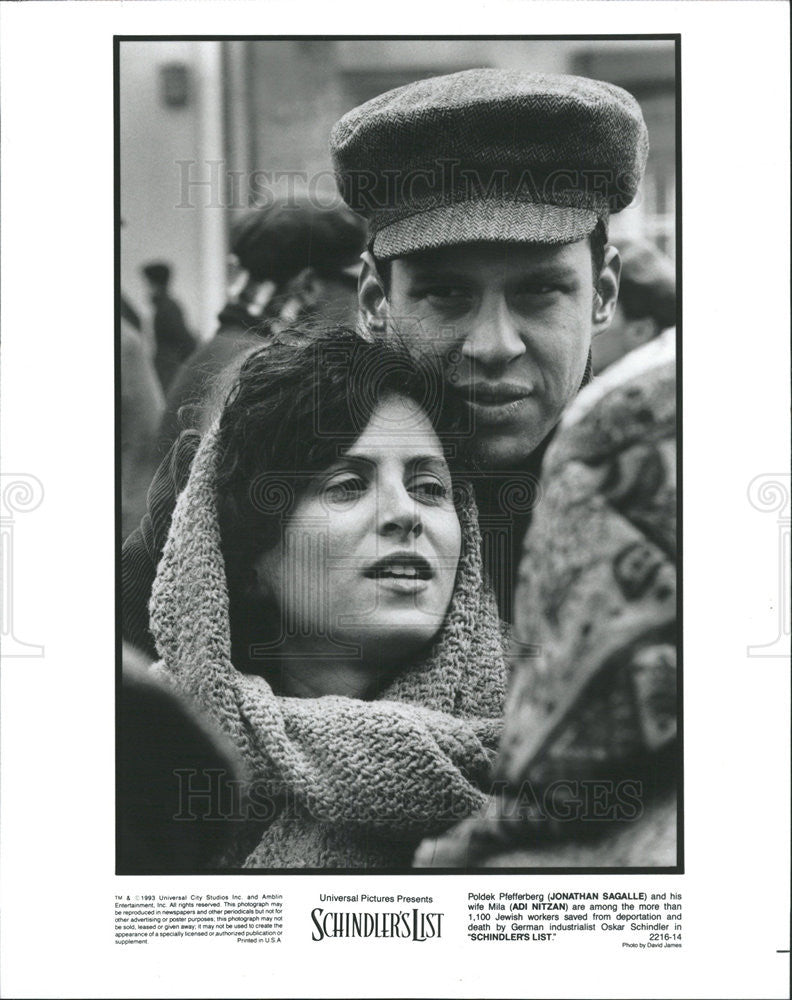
(398, 637)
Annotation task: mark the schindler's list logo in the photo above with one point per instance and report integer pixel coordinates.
(412, 925)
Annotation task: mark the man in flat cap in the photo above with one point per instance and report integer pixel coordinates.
(488, 194)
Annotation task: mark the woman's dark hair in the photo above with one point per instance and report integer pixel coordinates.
(298, 403)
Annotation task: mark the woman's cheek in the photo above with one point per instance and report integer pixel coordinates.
(448, 547)
(346, 526)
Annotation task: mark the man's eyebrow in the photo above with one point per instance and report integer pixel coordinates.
(451, 272)
(548, 269)
(444, 272)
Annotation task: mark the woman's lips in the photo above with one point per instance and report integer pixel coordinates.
(402, 584)
(401, 572)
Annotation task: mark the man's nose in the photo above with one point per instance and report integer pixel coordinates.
(494, 339)
(399, 514)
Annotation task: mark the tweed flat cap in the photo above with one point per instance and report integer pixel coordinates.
(494, 155)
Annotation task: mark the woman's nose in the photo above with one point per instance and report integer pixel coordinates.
(494, 340)
(399, 514)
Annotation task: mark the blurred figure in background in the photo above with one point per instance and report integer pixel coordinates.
(173, 341)
(646, 304)
(177, 780)
(130, 315)
(297, 260)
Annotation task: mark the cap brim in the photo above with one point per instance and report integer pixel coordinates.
(483, 221)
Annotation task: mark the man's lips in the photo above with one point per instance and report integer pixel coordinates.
(494, 404)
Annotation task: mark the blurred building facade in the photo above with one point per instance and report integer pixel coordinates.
(211, 128)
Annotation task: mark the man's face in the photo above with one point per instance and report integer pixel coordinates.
(513, 323)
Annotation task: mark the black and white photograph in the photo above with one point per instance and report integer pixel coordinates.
(395, 500)
(399, 440)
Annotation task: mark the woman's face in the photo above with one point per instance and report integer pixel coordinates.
(369, 555)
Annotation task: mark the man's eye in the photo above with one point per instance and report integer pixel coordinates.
(345, 489)
(538, 290)
(447, 294)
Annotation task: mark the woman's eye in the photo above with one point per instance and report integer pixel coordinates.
(345, 489)
(430, 489)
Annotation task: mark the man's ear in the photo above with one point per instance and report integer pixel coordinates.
(373, 301)
(606, 292)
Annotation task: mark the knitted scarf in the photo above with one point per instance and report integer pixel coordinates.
(351, 783)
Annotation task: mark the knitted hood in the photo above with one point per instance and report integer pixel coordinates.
(351, 783)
